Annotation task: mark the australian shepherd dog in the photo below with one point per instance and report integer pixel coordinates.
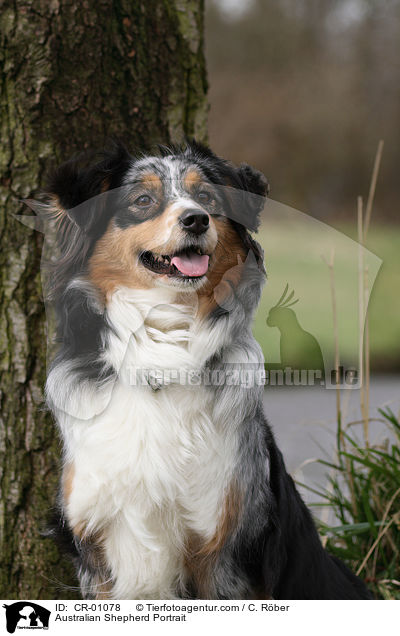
(172, 484)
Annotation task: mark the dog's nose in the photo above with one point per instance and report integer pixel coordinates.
(194, 221)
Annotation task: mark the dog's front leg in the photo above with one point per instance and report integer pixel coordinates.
(78, 498)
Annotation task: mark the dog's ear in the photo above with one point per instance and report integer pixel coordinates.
(254, 182)
(74, 189)
(248, 192)
(247, 205)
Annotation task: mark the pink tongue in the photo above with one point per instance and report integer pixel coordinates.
(193, 265)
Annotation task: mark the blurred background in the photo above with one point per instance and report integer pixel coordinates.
(304, 90)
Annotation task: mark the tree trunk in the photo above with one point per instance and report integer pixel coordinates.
(72, 76)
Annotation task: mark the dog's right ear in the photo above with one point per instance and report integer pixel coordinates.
(74, 190)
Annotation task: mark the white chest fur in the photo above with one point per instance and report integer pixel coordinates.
(152, 465)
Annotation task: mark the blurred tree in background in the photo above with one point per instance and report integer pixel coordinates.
(72, 75)
(304, 89)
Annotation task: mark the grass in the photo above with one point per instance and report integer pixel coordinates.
(384, 241)
(364, 495)
(292, 256)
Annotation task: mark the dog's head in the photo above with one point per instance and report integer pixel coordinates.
(179, 218)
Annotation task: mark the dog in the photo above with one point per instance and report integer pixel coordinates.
(171, 488)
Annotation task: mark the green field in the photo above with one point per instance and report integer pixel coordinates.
(384, 310)
(295, 248)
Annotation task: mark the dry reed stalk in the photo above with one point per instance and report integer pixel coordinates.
(366, 362)
(361, 309)
(341, 438)
(364, 353)
(372, 187)
(331, 267)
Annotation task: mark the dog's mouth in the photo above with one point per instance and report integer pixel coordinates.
(190, 263)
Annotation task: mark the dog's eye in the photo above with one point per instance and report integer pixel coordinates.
(204, 196)
(143, 201)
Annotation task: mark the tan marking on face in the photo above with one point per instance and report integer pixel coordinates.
(192, 178)
(115, 260)
(225, 258)
(201, 556)
(149, 183)
(152, 181)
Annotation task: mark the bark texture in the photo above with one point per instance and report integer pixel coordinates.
(72, 76)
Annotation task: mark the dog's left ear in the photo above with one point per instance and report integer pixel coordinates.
(253, 179)
(250, 189)
(247, 194)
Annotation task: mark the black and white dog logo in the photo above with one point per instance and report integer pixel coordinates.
(26, 615)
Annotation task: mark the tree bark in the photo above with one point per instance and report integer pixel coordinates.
(72, 76)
